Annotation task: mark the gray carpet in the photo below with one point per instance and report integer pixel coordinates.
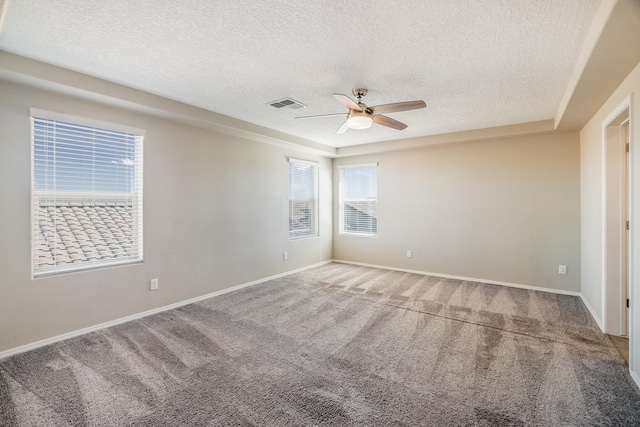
(338, 345)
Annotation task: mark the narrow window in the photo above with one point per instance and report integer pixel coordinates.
(303, 199)
(358, 199)
(86, 194)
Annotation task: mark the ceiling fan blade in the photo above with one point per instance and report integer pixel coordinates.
(388, 121)
(398, 106)
(343, 128)
(347, 102)
(322, 115)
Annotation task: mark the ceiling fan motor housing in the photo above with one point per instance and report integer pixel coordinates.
(359, 93)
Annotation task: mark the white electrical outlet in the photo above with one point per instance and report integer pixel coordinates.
(562, 269)
(285, 256)
(409, 254)
(153, 285)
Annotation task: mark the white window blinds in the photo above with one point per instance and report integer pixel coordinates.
(86, 196)
(358, 199)
(303, 199)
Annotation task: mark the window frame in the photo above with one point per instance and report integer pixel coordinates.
(314, 230)
(341, 201)
(55, 196)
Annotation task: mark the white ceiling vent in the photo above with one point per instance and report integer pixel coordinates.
(287, 103)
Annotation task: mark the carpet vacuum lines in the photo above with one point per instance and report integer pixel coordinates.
(337, 345)
(508, 323)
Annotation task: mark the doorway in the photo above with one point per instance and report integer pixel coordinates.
(616, 222)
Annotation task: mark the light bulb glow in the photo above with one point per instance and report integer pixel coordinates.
(359, 122)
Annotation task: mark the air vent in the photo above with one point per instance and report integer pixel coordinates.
(287, 103)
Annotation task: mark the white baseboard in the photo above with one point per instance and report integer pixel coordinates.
(635, 377)
(469, 279)
(593, 312)
(58, 338)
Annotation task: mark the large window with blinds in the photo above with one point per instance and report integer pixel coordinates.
(86, 194)
(358, 199)
(303, 199)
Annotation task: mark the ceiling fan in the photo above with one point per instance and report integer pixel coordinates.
(360, 116)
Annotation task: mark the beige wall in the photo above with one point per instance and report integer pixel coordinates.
(506, 210)
(591, 147)
(215, 215)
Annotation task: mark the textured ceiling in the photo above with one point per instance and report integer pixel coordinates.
(477, 64)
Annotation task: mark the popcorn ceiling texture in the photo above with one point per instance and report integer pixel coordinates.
(477, 64)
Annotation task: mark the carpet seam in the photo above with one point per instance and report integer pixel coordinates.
(442, 316)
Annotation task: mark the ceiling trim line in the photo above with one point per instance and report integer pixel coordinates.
(593, 35)
(610, 52)
(50, 77)
(521, 129)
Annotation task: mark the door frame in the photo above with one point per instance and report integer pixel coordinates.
(616, 206)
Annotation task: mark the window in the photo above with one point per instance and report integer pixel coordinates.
(303, 199)
(358, 199)
(86, 194)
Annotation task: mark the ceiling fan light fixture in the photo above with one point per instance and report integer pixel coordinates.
(360, 116)
(359, 122)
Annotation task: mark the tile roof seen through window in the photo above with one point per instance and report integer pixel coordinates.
(360, 217)
(70, 232)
